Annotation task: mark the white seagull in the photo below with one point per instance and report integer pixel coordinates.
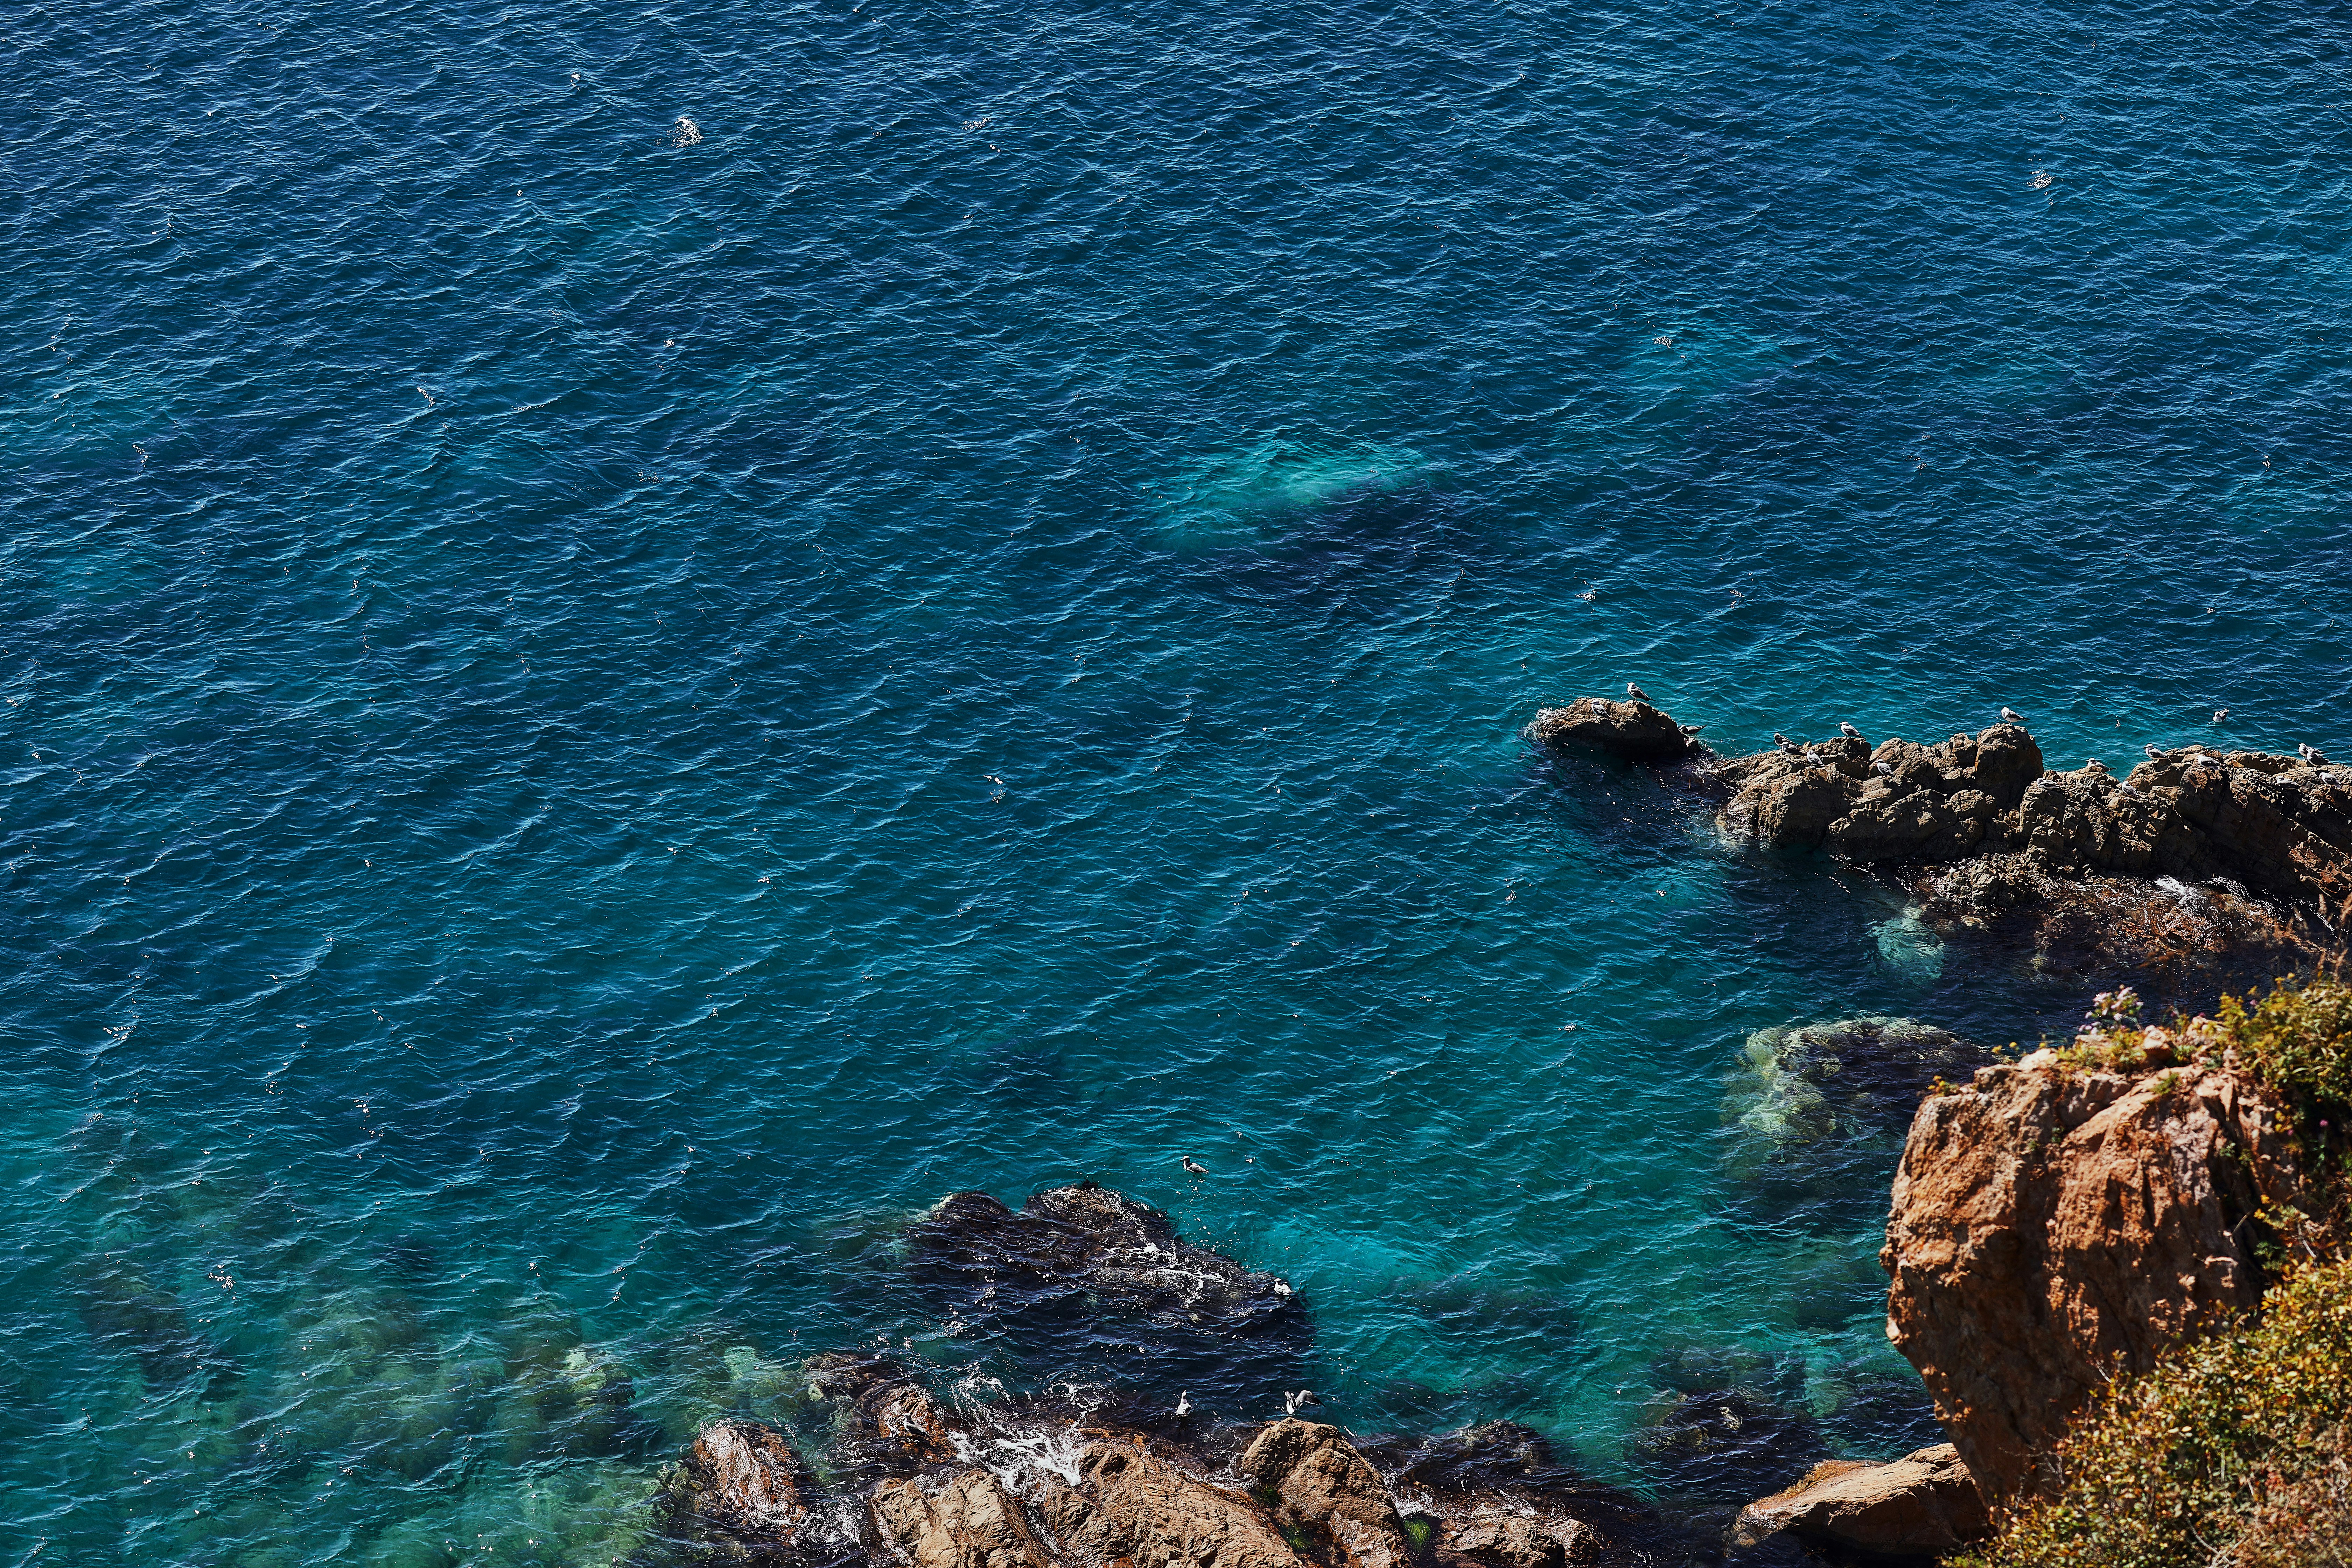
(2220, 714)
(2011, 716)
(1194, 1167)
(1636, 693)
(1848, 731)
(2153, 755)
(1183, 1403)
(2311, 755)
(1293, 1403)
(1882, 770)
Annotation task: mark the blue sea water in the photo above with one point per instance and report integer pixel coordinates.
(635, 640)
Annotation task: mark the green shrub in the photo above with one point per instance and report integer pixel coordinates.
(2230, 1451)
(2298, 1038)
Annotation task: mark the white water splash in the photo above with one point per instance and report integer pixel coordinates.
(1021, 1461)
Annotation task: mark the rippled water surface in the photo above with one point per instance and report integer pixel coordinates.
(635, 642)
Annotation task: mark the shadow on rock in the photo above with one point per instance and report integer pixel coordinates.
(1724, 1446)
(1082, 1282)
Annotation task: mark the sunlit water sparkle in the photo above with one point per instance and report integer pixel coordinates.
(631, 648)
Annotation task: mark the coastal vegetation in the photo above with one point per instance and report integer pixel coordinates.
(2236, 1447)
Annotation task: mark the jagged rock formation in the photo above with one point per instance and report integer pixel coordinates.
(1094, 1476)
(1494, 1493)
(1634, 731)
(1032, 1486)
(1080, 1266)
(1923, 1505)
(742, 1492)
(1086, 1239)
(1935, 802)
(2279, 826)
(1320, 1483)
(1132, 1503)
(2199, 851)
(2054, 1223)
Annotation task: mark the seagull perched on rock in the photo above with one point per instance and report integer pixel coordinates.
(1691, 729)
(2153, 755)
(2095, 765)
(1293, 1403)
(1883, 770)
(2311, 755)
(2011, 716)
(1789, 747)
(1848, 731)
(1194, 1167)
(1636, 693)
(2125, 789)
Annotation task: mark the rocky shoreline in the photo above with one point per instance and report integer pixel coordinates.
(898, 1463)
(2198, 855)
(2055, 1222)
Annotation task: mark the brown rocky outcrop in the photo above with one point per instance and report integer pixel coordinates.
(967, 1520)
(1634, 731)
(1923, 1505)
(1321, 1483)
(2054, 1223)
(1899, 800)
(1515, 1540)
(1132, 1504)
(1088, 1476)
(886, 1424)
(2276, 826)
(743, 1491)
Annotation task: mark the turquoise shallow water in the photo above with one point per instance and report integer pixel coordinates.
(632, 646)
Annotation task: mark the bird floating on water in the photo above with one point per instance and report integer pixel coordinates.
(1281, 1287)
(2011, 716)
(1636, 693)
(1848, 731)
(1293, 1403)
(1194, 1167)
(2220, 714)
(1183, 1403)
